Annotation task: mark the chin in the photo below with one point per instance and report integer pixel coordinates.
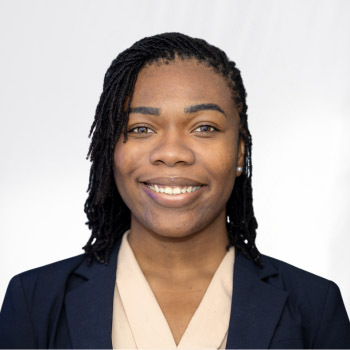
(175, 228)
(173, 233)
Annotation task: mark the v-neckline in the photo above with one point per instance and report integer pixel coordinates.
(209, 323)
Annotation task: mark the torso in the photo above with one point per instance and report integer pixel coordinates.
(179, 303)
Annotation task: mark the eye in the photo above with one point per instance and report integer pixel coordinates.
(141, 129)
(206, 129)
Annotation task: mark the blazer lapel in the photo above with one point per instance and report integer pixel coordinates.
(255, 310)
(256, 306)
(89, 306)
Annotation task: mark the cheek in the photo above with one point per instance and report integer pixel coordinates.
(123, 167)
(120, 163)
(221, 167)
(125, 161)
(220, 162)
(125, 164)
(224, 170)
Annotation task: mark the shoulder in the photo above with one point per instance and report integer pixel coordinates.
(45, 280)
(293, 274)
(299, 282)
(314, 301)
(54, 270)
(33, 302)
(309, 294)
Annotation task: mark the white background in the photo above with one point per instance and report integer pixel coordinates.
(294, 56)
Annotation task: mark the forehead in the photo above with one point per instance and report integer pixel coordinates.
(183, 82)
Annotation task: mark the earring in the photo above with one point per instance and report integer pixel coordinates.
(239, 168)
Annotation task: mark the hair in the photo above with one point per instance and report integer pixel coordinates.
(108, 216)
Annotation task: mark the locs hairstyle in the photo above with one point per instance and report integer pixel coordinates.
(108, 216)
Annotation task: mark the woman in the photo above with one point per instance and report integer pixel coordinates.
(171, 261)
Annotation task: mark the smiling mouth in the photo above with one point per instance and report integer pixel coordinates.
(172, 190)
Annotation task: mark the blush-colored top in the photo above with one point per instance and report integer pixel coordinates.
(139, 323)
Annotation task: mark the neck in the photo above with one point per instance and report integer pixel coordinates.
(179, 258)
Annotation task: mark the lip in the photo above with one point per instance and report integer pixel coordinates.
(173, 201)
(172, 181)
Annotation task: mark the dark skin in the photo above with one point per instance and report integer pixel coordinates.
(183, 123)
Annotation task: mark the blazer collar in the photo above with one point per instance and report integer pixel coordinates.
(255, 310)
(89, 307)
(256, 305)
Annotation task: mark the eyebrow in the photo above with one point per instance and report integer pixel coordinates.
(204, 107)
(145, 110)
(188, 110)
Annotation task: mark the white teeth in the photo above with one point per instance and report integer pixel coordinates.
(174, 190)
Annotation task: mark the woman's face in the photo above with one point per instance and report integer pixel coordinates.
(183, 132)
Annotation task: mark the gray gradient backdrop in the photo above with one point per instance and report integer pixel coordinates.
(294, 56)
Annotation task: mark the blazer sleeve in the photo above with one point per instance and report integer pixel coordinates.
(334, 327)
(16, 329)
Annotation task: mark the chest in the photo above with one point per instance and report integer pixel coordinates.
(179, 306)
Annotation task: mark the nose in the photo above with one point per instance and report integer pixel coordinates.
(172, 148)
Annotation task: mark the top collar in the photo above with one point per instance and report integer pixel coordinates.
(255, 310)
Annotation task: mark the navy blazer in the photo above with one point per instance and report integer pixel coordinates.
(69, 304)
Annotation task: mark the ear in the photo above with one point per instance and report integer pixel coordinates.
(240, 156)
